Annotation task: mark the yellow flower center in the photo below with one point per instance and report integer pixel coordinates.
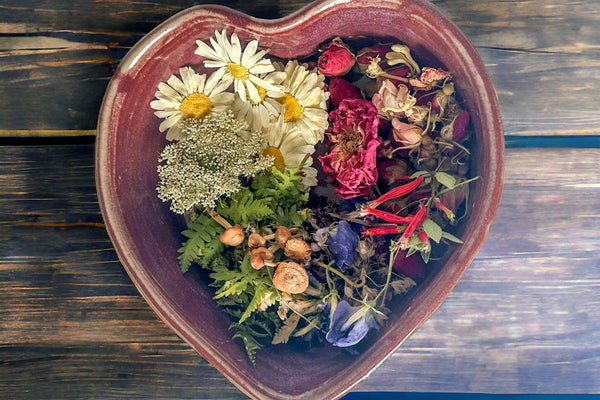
(277, 157)
(293, 109)
(262, 92)
(196, 105)
(238, 72)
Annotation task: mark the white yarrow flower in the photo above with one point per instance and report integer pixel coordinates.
(242, 68)
(192, 96)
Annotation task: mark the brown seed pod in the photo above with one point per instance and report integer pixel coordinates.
(298, 250)
(282, 234)
(260, 257)
(233, 236)
(255, 240)
(290, 277)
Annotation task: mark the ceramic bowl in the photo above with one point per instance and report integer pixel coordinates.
(146, 235)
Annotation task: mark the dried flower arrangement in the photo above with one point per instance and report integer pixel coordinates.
(289, 258)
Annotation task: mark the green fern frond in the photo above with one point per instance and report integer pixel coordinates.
(243, 207)
(202, 244)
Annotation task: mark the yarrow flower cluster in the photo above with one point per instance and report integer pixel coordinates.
(304, 243)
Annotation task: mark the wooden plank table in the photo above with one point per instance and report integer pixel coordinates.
(525, 318)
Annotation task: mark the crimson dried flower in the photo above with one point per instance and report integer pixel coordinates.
(392, 171)
(416, 222)
(351, 161)
(386, 216)
(382, 230)
(396, 192)
(336, 59)
(340, 89)
(448, 212)
(457, 129)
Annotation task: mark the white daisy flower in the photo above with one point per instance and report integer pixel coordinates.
(234, 66)
(192, 96)
(288, 149)
(305, 101)
(258, 115)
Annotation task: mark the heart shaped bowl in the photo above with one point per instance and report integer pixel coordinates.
(146, 235)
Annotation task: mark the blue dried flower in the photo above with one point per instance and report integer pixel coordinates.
(342, 244)
(350, 325)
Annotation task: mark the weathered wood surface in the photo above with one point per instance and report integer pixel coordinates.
(56, 57)
(524, 318)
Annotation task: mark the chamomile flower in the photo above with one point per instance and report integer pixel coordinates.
(304, 102)
(192, 96)
(258, 115)
(289, 149)
(242, 68)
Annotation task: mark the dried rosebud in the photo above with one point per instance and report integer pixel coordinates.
(282, 235)
(392, 101)
(298, 250)
(233, 236)
(255, 240)
(457, 129)
(429, 78)
(336, 59)
(340, 89)
(260, 257)
(290, 277)
(367, 54)
(406, 134)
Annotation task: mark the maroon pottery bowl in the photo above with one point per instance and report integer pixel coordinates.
(146, 234)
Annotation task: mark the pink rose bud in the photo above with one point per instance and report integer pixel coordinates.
(336, 59)
(340, 89)
(459, 126)
(406, 134)
(457, 129)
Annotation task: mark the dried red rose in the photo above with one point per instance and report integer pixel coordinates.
(351, 161)
(336, 59)
(457, 129)
(340, 89)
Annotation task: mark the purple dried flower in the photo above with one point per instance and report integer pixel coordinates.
(342, 244)
(350, 325)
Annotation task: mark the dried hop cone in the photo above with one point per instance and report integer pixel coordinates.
(298, 250)
(290, 277)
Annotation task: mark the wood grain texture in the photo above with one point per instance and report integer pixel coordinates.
(56, 57)
(523, 319)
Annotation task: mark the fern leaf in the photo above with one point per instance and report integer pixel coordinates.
(243, 207)
(201, 243)
(260, 292)
(284, 333)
